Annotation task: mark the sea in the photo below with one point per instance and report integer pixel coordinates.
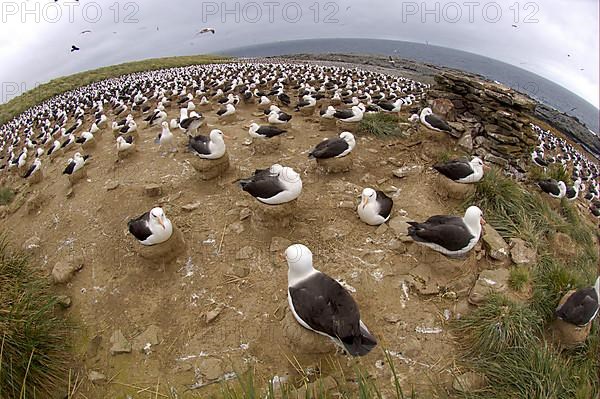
(537, 87)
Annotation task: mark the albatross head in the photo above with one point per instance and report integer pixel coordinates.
(348, 138)
(426, 111)
(368, 194)
(300, 263)
(474, 220)
(157, 215)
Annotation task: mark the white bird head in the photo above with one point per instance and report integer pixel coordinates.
(348, 138)
(474, 219)
(157, 215)
(368, 194)
(426, 111)
(165, 125)
(216, 135)
(300, 262)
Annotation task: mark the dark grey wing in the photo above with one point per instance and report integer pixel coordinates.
(327, 307)
(437, 123)
(549, 186)
(262, 185)
(329, 148)
(139, 227)
(455, 169)
(343, 114)
(580, 308)
(69, 169)
(451, 236)
(385, 204)
(270, 131)
(199, 144)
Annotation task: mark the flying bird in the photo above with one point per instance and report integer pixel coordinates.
(206, 30)
(85, 31)
(74, 48)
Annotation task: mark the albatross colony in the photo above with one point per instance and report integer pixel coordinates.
(138, 106)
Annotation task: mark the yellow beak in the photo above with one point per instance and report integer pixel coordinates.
(483, 222)
(162, 223)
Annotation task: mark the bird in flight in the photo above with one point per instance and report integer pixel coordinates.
(515, 26)
(206, 30)
(74, 48)
(85, 31)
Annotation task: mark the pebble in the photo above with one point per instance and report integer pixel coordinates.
(112, 185)
(119, 343)
(245, 214)
(63, 272)
(96, 377)
(64, 301)
(191, 207)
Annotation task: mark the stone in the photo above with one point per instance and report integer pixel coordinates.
(568, 335)
(32, 245)
(63, 271)
(447, 188)
(488, 282)
(495, 160)
(407, 171)
(494, 244)
(347, 205)
(119, 343)
(64, 301)
(245, 214)
(400, 226)
(397, 246)
(382, 229)
(444, 108)
(153, 190)
(521, 253)
(279, 244)
(336, 231)
(148, 337)
(211, 315)
(191, 207)
(245, 253)
(210, 368)
(469, 382)
(96, 377)
(466, 142)
(237, 228)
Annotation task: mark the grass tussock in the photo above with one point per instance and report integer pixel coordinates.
(519, 277)
(360, 385)
(6, 195)
(554, 171)
(57, 86)
(380, 125)
(505, 341)
(33, 338)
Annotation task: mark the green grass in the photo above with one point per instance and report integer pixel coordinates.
(361, 386)
(34, 354)
(554, 171)
(60, 85)
(6, 195)
(519, 277)
(380, 125)
(504, 340)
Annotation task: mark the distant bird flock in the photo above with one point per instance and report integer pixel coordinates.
(130, 104)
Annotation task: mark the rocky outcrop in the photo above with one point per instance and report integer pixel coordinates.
(494, 116)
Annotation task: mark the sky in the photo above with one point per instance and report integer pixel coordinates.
(557, 39)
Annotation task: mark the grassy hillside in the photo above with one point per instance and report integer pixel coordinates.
(60, 85)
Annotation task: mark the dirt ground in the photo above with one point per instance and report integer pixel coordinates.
(221, 306)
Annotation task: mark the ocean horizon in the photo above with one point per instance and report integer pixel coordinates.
(537, 87)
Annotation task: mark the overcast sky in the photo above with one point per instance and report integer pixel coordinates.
(557, 39)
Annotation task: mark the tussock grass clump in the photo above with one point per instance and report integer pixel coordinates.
(497, 326)
(513, 210)
(538, 372)
(552, 281)
(33, 338)
(554, 171)
(6, 195)
(519, 277)
(380, 125)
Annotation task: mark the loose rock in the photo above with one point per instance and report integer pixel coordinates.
(489, 281)
(494, 244)
(521, 254)
(119, 343)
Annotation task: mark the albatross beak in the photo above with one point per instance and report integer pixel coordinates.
(486, 166)
(226, 136)
(160, 221)
(483, 222)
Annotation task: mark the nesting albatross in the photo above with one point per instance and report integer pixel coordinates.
(321, 304)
